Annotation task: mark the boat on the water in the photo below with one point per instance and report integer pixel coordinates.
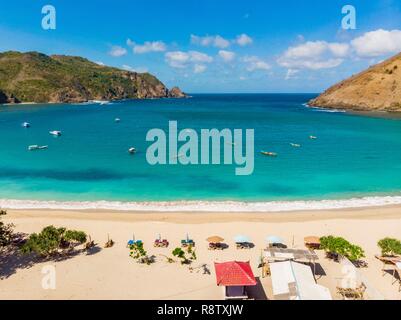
(117, 120)
(270, 154)
(132, 150)
(295, 145)
(312, 137)
(26, 124)
(36, 147)
(55, 133)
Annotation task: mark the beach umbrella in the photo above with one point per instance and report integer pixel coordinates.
(215, 239)
(242, 239)
(312, 239)
(187, 237)
(274, 240)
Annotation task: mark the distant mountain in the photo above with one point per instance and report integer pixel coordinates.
(36, 77)
(375, 89)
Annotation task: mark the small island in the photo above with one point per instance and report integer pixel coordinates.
(34, 77)
(375, 89)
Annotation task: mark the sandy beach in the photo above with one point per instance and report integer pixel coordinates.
(112, 274)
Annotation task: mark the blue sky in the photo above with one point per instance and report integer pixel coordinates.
(214, 46)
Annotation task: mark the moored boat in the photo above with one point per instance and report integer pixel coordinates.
(270, 154)
(55, 133)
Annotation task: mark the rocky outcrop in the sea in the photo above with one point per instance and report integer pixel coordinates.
(176, 93)
(36, 77)
(375, 89)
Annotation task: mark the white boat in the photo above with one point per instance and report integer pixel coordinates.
(36, 147)
(26, 124)
(55, 133)
(132, 150)
(295, 145)
(117, 120)
(312, 137)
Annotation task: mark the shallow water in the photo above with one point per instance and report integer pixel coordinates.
(353, 157)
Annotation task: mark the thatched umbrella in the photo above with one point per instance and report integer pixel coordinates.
(312, 240)
(215, 239)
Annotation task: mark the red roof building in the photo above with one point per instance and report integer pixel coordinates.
(234, 273)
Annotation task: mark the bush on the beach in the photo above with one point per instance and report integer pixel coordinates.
(51, 240)
(390, 246)
(138, 252)
(6, 231)
(181, 254)
(340, 246)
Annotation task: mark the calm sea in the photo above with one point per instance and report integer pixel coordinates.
(353, 157)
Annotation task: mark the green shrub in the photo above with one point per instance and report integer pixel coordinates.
(340, 246)
(181, 254)
(138, 253)
(390, 246)
(6, 231)
(51, 239)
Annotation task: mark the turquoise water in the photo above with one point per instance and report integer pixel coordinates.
(354, 156)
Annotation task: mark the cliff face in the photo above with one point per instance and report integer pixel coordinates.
(375, 89)
(35, 77)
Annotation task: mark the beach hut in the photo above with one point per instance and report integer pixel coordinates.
(235, 277)
(294, 281)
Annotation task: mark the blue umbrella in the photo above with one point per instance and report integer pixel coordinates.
(242, 239)
(274, 240)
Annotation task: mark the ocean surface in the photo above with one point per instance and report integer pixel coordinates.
(355, 160)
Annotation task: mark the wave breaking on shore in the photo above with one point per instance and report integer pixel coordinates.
(203, 206)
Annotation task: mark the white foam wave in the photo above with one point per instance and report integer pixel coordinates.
(317, 109)
(204, 206)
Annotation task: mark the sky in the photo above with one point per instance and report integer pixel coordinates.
(214, 46)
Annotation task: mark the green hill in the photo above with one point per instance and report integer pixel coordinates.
(36, 77)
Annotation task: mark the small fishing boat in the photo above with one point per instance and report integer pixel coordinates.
(312, 137)
(132, 150)
(26, 124)
(270, 154)
(55, 133)
(36, 147)
(117, 120)
(295, 145)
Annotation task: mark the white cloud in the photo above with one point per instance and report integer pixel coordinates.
(117, 51)
(254, 63)
(377, 43)
(138, 70)
(227, 56)
(314, 55)
(243, 40)
(181, 59)
(148, 46)
(177, 59)
(206, 41)
(100, 63)
(199, 68)
(197, 56)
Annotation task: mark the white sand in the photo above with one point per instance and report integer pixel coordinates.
(112, 274)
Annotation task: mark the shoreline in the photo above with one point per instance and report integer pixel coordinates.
(274, 207)
(196, 217)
